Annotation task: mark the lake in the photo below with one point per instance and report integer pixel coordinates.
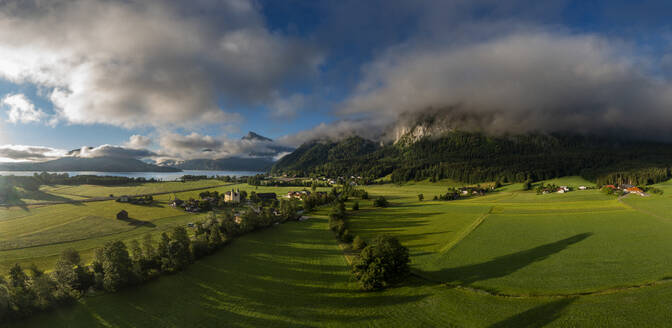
(165, 176)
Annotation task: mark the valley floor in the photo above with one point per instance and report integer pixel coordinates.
(508, 259)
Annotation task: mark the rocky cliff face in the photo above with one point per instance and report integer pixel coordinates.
(408, 132)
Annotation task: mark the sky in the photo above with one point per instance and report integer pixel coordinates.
(176, 80)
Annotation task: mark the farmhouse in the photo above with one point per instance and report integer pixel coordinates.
(123, 199)
(122, 215)
(634, 190)
(298, 194)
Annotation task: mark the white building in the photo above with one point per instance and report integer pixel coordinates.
(232, 196)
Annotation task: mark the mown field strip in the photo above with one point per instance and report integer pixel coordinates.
(464, 233)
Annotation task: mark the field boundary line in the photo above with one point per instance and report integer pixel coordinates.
(620, 200)
(465, 232)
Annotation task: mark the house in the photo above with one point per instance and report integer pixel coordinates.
(122, 215)
(123, 199)
(582, 188)
(232, 196)
(635, 190)
(609, 186)
(298, 194)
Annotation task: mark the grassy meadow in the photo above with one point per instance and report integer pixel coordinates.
(508, 259)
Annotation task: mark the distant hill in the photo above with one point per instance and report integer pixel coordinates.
(101, 164)
(476, 157)
(260, 164)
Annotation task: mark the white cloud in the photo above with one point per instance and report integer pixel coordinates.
(287, 107)
(366, 128)
(20, 153)
(147, 63)
(137, 141)
(114, 151)
(21, 109)
(520, 82)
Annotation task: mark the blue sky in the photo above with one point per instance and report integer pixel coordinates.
(294, 70)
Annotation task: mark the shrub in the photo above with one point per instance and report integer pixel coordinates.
(358, 243)
(355, 206)
(381, 202)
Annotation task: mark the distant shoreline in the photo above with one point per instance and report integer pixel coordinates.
(166, 176)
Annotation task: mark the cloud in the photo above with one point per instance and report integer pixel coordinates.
(366, 128)
(520, 82)
(196, 146)
(21, 110)
(18, 153)
(114, 151)
(137, 141)
(287, 107)
(148, 63)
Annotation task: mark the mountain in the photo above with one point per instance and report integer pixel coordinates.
(101, 164)
(475, 157)
(269, 149)
(260, 164)
(254, 136)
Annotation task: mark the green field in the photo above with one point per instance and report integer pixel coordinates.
(508, 259)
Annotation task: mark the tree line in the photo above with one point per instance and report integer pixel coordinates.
(117, 264)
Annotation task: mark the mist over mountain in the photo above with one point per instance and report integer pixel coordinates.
(261, 153)
(101, 164)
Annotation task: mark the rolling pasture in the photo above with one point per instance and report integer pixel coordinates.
(507, 259)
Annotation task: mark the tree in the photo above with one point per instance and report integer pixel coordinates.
(421, 197)
(382, 263)
(148, 250)
(214, 237)
(116, 266)
(527, 185)
(69, 275)
(355, 206)
(177, 254)
(136, 250)
(164, 246)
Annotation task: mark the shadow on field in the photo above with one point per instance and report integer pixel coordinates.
(505, 265)
(536, 317)
(137, 223)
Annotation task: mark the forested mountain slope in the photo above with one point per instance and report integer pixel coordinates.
(475, 157)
